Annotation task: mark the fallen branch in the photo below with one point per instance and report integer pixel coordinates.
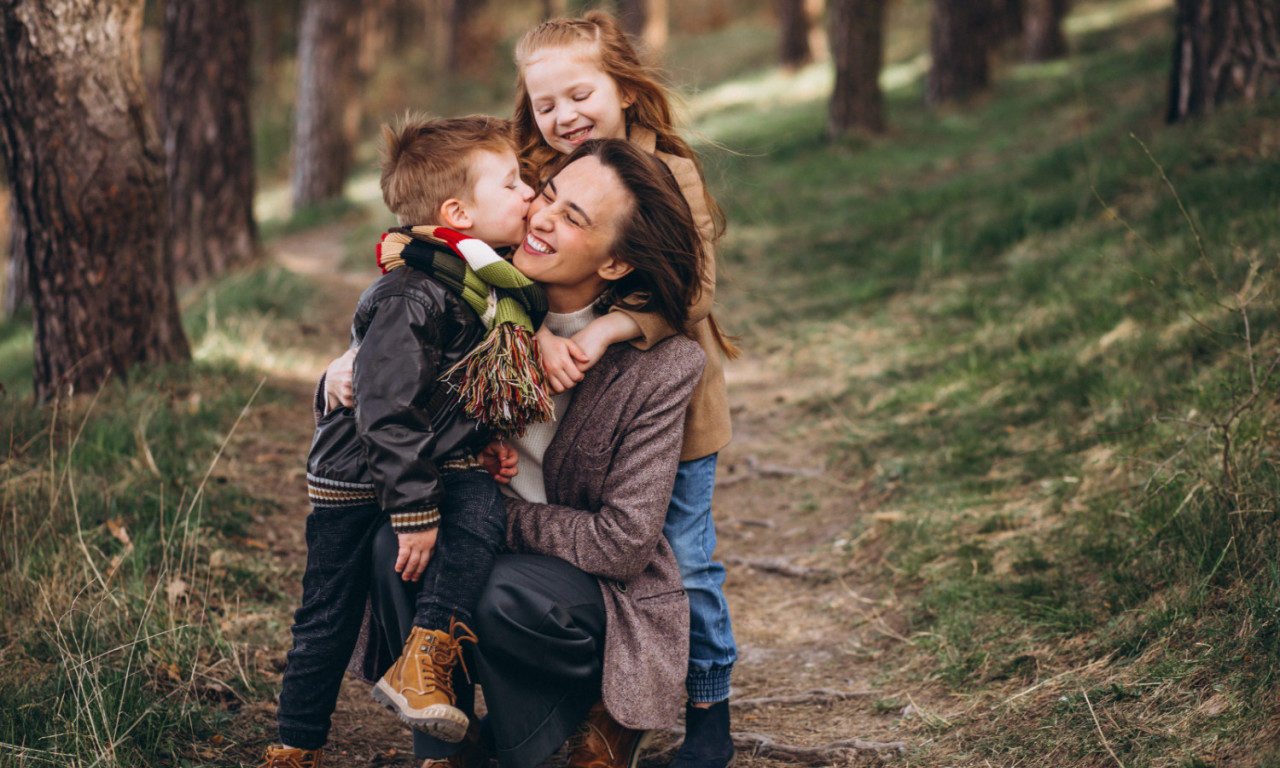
(747, 522)
(782, 567)
(761, 745)
(755, 469)
(811, 696)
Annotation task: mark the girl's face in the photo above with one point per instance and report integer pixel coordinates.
(573, 225)
(572, 98)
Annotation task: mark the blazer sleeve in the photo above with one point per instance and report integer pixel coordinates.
(393, 378)
(653, 328)
(617, 541)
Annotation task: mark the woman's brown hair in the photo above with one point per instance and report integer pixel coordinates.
(657, 238)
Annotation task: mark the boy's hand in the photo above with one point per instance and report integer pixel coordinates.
(415, 552)
(601, 333)
(337, 381)
(561, 360)
(501, 461)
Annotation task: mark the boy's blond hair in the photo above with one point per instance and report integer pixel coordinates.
(426, 161)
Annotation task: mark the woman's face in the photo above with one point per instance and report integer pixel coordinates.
(573, 225)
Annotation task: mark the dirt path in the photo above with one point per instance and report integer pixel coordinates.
(800, 622)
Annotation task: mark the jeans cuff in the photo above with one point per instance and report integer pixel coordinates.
(303, 738)
(709, 686)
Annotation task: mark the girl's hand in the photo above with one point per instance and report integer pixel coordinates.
(501, 461)
(337, 381)
(601, 333)
(415, 552)
(561, 359)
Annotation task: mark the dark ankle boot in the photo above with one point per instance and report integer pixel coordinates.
(707, 743)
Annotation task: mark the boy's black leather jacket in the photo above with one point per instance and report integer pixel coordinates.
(408, 329)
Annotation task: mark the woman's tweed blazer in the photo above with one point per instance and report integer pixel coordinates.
(609, 473)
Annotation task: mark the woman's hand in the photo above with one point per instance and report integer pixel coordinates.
(415, 552)
(337, 381)
(501, 461)
(561, 360)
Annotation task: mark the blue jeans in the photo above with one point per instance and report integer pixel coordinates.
(692, 535)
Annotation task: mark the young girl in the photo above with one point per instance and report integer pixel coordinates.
(581, 79)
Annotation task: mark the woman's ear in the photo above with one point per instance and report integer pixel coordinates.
(627, 100)
(614, 269)
(453, 214)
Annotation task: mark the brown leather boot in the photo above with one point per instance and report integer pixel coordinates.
(419, 686)
(600, 742)
(281, 757)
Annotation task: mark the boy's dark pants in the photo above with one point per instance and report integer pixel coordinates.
(335, 588)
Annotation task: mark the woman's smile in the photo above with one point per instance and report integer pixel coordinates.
(535, 245)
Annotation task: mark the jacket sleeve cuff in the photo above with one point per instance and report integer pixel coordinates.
(416, 520)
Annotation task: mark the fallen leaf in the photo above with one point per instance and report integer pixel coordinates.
(120, 533)
(176, 590)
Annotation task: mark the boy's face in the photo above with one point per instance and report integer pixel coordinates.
(499, 200)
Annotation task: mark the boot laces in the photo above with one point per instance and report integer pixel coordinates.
(440, 654)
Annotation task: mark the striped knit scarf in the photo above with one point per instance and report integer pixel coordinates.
(502, 384)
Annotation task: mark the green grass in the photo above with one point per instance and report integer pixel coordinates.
(1053, 343)
(1031, 345)
(124, 566)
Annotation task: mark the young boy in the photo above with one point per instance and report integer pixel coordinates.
(407, 450)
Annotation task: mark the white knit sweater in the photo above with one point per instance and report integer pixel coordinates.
(528, 484)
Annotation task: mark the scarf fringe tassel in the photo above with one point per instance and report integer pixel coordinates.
(501, 382)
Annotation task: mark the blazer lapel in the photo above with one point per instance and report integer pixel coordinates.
(587, 397)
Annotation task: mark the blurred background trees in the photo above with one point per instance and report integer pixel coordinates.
(203, 111)
(252, 97)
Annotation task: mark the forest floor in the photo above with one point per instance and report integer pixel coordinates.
(801, 621)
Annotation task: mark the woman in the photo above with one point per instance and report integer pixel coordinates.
(591, 578)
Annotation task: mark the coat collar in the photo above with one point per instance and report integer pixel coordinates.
(643, 138)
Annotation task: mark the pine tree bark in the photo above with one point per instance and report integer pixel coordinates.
(1042, 36)
(554, 9)
(856, 32)
(327, 48)
(1005, 20)
(958, 45)
(208, 137)
(793, 38)
(1223, 49)
(87, 169)
(647, 23)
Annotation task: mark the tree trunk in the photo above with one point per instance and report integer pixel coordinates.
(857, 47)
(327, 47)
(208, 138)
(466, 43)
(793, 38)
(958, 45)
(1005, 22)
(1042, 36)
(554, 9)
(1223, 49)
(647, 23)
(87, 169)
